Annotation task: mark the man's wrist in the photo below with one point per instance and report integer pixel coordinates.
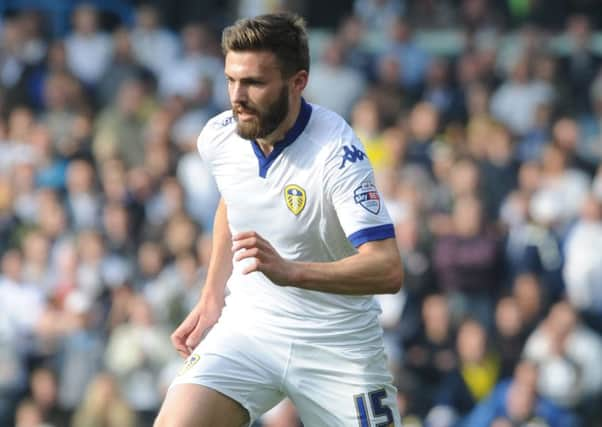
(296, 274)
(214, 296)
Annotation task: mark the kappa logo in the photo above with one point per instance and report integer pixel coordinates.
(352, 154)
(366, 195)
(295, 198)
(189, 363)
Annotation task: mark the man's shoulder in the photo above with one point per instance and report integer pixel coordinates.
(326, 117)
(328, 127)
(217, 129)
(335, 137)
(221, 124)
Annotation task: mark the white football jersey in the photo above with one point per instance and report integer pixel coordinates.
(314, 199)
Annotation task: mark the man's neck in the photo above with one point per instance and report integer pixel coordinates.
(267, 144)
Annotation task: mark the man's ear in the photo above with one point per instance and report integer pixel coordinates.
(299, 80)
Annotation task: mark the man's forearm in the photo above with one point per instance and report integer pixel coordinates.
(375, 269)
(220, 263)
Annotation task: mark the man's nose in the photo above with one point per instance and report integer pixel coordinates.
(238, 93)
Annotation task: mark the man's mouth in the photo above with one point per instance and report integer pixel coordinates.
(245, 114)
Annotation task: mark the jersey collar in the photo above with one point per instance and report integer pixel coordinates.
(289, 138)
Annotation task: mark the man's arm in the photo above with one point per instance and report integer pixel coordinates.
(220, 262)
(207, 311)
(375, 269)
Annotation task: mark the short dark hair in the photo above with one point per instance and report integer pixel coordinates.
(284, 34)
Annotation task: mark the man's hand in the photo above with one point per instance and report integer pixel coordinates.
(202, 317)
(264, 258)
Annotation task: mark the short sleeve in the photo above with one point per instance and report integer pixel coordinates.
(203, 144)
(350, 187)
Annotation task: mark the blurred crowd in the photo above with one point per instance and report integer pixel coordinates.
(488, 155)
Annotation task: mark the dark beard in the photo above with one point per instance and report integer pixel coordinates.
(266, 121)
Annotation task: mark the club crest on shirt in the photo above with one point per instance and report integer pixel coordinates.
(366, 195)
(189, 363)
(295, 198)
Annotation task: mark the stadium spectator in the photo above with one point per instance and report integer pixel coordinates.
(532, 245)
(467, 261)
(17, 330)
(588, 146)
(64, 102)
(568, 353)
(413, 59)
(73, 334)
(36, 260)
(423, 124)
(351, 33)
(582, 269)
(24, 184)
(198, 58)
(116, 227)
(566, 135)
(429, 356)
(82, 200)
(516, 400)
(136, 353)
(498, 170)
(441, 93)
(336, 85)
(378, 15)
(43, 387)
(531, 299)
(154, 46)
(120, 127)
(580, 63)
(28, 414)
(12, 63)
(366, 123)
(200, 190)
(510, 334)
(386, 90)
(562, 190)
(516, 101)
(51, 167)
(88, 48)
(395, 142)
(122, 67)
(104, 406)
(474, 376)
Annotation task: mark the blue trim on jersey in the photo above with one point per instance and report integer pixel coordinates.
(289, 138)
(380, 232)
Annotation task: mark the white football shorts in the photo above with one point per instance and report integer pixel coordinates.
(331, 386)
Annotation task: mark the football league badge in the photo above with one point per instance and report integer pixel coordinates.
(189, 363)
(366, 195)
(294, 196)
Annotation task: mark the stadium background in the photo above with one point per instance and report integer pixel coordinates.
(483, 121)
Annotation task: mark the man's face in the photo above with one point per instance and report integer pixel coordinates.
(258, 94)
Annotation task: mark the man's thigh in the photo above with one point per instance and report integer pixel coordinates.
(192, 405)
(339, 388)
(246, 369)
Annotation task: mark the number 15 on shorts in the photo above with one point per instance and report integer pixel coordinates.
(381, 414)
